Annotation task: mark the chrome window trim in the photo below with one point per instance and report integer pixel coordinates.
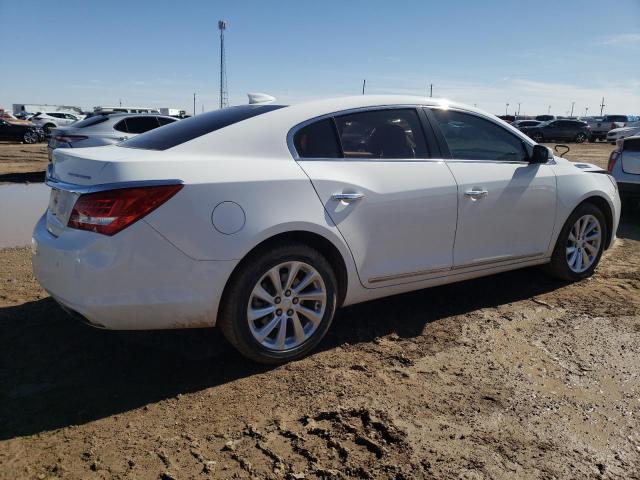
(293, 130)
(517, 134)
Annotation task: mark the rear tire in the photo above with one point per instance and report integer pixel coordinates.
(577, 253)
(581, 137)
(537, 137)
(296, 316)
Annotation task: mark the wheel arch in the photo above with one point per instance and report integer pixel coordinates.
(314, 240)
(606, 210)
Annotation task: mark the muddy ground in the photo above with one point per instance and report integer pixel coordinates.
(511, 376)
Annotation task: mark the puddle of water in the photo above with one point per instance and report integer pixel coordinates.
(20, 208)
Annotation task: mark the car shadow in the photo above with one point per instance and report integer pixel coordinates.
(56, 372)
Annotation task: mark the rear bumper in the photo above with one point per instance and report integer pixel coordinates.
(135, 280)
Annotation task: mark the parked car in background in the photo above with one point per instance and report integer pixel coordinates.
(263, 219)
(20, 132)
(50, 120)
(525, 123)
(99, 110)
(560, 130)
(600, 129)
(630, 130)
(545, 118)
(105, 129)
(624, 165)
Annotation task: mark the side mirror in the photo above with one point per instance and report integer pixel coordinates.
(540, 154)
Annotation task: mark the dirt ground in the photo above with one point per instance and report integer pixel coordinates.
(511, 376)
(17, 158)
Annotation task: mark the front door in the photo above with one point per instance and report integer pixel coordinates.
(506, 206)
(392, 201)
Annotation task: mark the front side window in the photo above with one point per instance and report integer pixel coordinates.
(470, 137)
(382, 134)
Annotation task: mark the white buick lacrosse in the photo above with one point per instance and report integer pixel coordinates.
(263, 219)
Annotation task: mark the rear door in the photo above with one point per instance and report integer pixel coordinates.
(506, 206)
(386, 188)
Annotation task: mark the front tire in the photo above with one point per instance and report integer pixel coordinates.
(279, 304)
(580, 244)
(48, 128)
(30, 137)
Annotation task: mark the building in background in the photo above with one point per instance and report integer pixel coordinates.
(44, 107)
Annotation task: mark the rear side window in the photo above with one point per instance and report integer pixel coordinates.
(615, 118)
(141, 124)
(382, 134)
(318, 140)
(87, 122)
(470, 137)
(197, 126)
(632, 145)
(165, 120)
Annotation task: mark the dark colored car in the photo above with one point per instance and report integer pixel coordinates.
(562, 130)
(20, 132)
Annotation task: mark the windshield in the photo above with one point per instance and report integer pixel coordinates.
(182, 131)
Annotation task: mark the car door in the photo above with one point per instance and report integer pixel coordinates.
(388, 191)
(506, 206)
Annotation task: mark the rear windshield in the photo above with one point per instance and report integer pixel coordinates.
(180, 132)
(87, 122)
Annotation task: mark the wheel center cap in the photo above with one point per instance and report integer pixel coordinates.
(286, 303)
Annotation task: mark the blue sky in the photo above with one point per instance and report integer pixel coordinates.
(157, 53)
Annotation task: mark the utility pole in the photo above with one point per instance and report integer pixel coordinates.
(364, 84)
(194, 104)
(431, 90)
(572, 105)
(224, 94)
(602, 105)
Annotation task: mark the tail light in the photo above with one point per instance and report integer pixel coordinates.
(110, 211)
(613, 158)
(69, 138)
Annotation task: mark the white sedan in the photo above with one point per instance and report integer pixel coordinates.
(263, 219)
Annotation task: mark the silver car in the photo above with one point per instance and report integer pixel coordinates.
(624, 166)
(105, 129)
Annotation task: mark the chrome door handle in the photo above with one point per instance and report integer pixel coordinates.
(347, 197)
(476, 193)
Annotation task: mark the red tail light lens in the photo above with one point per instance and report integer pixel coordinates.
(613, 158)
(69, 138)
(110, 211)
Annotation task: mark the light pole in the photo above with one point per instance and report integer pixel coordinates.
(518, 108)
(506, 110)
(572, 105)
(586, 111)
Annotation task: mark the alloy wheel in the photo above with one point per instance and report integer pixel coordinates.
(581, 137)
(286, 306)
(583, 244)
(30, 137)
